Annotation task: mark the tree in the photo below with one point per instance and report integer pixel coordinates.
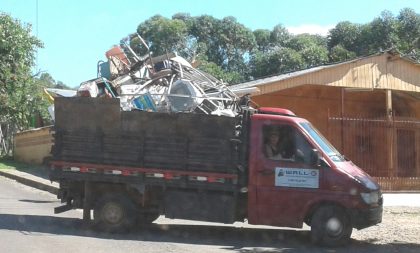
(19, 92)
(162, 34)
(383, 32)
(311, 47)
(216, 71)
(262, 39)
(408, 30)
(338, 54)
(279, 36)
(347, 35)
(224, 42)
(234, 53)
(235, 40)
(278, 61)
(47, 81)
(227, 41)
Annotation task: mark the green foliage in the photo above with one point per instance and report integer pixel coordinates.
(235, 40)
(311, 48)
(280, 36)
(19, 91)
(163, 35)
(234, 53)
(262, 38)
(224, 42)
(217, 71)
(47, 81)
(408, 30)
(338, 54)
(384, 32)
(345, 34)
(280, 60)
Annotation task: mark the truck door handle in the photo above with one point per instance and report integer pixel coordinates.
(266, 172)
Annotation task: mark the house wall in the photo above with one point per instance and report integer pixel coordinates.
(316, 103)
(377, 72)
(347, 102)
(365, 131)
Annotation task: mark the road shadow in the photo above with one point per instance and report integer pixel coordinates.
(38, 201)
(244, 240)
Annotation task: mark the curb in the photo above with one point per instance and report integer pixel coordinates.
(30, 182)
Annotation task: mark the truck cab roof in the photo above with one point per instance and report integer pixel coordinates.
(276, 111)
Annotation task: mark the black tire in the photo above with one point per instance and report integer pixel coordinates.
(114, 213)
(330, 226)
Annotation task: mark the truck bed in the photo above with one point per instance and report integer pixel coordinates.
(92, 135)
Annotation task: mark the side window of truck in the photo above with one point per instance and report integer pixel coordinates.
(284, 142)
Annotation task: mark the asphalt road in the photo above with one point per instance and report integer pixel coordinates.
(27, 224)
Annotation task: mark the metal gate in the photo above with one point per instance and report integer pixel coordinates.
(387, 148)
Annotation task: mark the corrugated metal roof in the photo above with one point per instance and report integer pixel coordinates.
(62, 92)
(277, 78)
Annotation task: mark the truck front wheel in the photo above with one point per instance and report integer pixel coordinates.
(114, 213)
(330, 226)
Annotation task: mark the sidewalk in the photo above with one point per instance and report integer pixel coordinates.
(39, 180)
(31, 180)
(402, 199)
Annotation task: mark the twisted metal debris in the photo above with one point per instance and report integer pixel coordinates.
(166, 83)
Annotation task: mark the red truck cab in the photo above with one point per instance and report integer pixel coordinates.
(309, 181)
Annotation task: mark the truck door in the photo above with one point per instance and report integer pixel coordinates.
(285, 177)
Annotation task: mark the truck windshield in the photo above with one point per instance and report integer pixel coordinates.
(327, 147)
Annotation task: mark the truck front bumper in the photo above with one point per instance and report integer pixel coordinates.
(366, 217)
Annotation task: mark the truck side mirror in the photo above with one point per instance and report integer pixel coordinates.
(315, 157)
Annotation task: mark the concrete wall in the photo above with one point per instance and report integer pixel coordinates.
(32, 146)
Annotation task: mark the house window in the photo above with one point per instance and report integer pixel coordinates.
(284, 142)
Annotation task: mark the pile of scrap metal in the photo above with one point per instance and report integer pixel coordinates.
(166, 83)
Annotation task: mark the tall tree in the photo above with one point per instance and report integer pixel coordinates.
(262, 38)
(19, 92)
(162, 34)
(338, 54)
(278, 61)
(235, 40)
(279, 36)
(347, 35)
(234, 53)
(311, 47)
(408, 31)
(383, 32)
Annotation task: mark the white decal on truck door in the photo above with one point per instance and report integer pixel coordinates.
(295, 177)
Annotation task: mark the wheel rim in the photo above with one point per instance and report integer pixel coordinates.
(112, 213)
(334, 227)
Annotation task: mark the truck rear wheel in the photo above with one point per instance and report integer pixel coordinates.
(330, 226)
(114, 213)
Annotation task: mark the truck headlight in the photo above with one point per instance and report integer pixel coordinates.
(370, 197)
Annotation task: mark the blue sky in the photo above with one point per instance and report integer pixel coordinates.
(77, 33)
